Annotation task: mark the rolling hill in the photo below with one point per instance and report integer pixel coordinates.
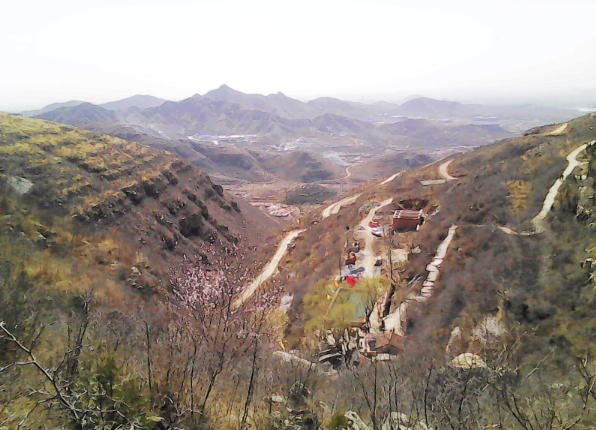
(346, 109)
(84, 114)
(138, 194)
(52, 107)
(430, 108)
(138, 101)
(277, 104)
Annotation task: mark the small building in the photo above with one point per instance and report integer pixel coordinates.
(405, 220)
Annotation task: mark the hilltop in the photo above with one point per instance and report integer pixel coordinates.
(277, 104)
(51, 107)
(137, 101)
(83, 114)
(140, 101)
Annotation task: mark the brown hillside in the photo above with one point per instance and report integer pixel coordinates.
(538, 277)
(141, 195)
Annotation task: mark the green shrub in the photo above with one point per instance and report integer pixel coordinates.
(338, 422)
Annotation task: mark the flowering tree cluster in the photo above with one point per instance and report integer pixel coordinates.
(218, 333)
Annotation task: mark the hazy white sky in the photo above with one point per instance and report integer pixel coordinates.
(103, 50)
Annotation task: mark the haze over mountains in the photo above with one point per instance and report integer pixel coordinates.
(225, 110)
(235, 136)
(139, 101)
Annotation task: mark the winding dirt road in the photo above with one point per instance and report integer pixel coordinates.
(537, 221)
(334, 208)
(444, 172)
(554, 190)
(348, 173)
(269, 268)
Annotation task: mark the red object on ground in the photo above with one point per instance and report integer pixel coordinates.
(373, 224)
(351, 281)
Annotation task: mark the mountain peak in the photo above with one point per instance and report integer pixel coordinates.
(141, 101)
(223, 92)
(227, 89)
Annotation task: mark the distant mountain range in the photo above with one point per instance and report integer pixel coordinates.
(227, 111)
(52, 107)
(272, 122)
(286, 107)
(137, 101)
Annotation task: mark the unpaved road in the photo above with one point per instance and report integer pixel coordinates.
(444, 172)
(537, 221)
(269, 268)
(390, 178)
(554, 190)
(334, 208)
(369, 256)
(557, 130)
(348, 173)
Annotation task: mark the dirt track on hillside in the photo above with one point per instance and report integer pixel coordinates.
(445, 173)
(549, 200)
(334, 208)
(369, 256)
(556, 131)
(348, 173)
(269, 268)
(390, 178)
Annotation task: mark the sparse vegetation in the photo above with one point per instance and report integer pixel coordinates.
(82, 349)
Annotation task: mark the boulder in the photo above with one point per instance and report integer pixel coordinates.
(355, 422)
(468, 361)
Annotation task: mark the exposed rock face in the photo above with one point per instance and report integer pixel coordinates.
(355, 422)
(20, 185)
(468, 361)
(489, 331)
